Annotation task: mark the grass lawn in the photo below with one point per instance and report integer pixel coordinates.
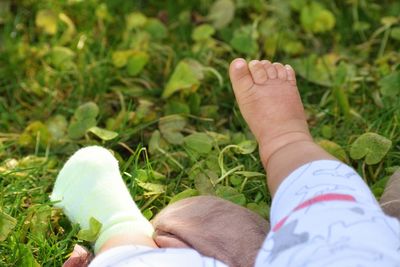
(148, 80)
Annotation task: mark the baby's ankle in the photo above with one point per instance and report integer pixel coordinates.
(272, 145)
(290, 156)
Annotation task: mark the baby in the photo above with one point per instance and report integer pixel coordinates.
(322, 214)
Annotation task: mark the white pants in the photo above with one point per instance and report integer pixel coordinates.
(323, 214)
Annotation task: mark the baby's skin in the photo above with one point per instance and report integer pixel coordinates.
(270, 103)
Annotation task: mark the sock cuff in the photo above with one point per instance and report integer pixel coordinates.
(120, 225)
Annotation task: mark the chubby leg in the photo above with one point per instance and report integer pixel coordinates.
(323, 213)
(270, 103)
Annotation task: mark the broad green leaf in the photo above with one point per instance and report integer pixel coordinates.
(7, 224)
(47, 21)
(62, 58)
(154, 143)
(199, 142)
(78, 128)
(156, 175)
(87, 110)
(246, 147)
(147, 175)
(141, 175)
(315, 68)
(120, 58)
(221, 13)
(137, 62)
(176, 107)
(103, 134)
(244, 42)
(156, 29)
(184, 194)
(326, 131)
(196, 67)
(212, 161)
(334, 149)
(203, 184)
(212, 175)
(102, 12)
(236, 180)
(231, 194)
(372, 146)
(390, 85)
(293, 47)
(203, 32)
(35, 133)
(297, 4)
(148, 214)
(315, 18)
(140, 41)
(152, 188)
(92, 233)
(171, 127)
(83, 119)
(135, 20)
(220, 139)
(183, 78)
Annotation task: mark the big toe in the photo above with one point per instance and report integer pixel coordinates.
(240, 75)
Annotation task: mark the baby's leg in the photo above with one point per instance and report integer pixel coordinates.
(322, 214)
(270, 103)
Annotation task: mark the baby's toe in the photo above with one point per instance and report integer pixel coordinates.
(281, 71)
(258, 72)
(271, 71)
(291, 75)
(240, 75)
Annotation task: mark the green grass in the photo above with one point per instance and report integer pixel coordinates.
(55, 56)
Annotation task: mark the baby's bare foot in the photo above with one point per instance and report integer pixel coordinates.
(270, 103)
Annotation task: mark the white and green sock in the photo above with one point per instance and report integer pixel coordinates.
(90, 185)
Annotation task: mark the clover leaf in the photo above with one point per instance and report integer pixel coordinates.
(372, 146)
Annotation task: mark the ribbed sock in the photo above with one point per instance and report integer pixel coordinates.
(90, 185)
